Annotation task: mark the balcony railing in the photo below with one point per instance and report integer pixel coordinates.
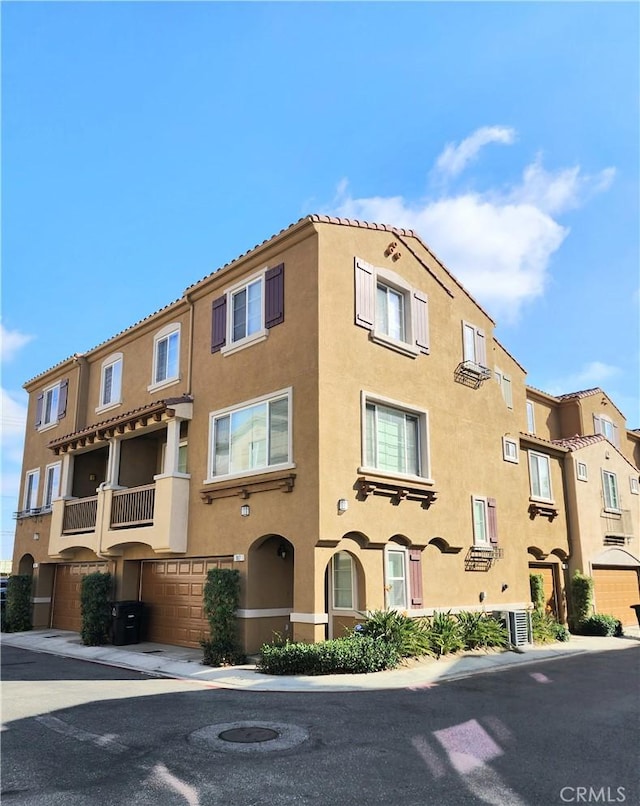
(133, 507)
(80, 515)
(617, 524)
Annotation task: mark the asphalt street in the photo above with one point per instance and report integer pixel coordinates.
(562, 731)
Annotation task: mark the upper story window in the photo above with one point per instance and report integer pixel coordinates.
(531, 420)
(395, 439)
(633, 485)
(51, 484)
(111, 382)
(31, 484)
(52, 405)
(605, 426)
(504, 381)
(474, 348)
(540, 476)
(485, 528)
(251, 438)
(581, 471)
(392, 311)
(510, 450)
(247, 311)
(610, 491)
(166, 357)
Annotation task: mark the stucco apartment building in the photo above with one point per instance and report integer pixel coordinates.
(330, 414)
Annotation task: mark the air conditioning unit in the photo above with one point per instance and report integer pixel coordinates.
(518, 624)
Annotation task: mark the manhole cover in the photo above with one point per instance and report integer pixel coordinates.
(252, 734)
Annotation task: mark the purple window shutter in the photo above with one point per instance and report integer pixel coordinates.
(421, 321)
(492, 514)
(62, 399)
(274, 296)
(218, 323)
(481, 349)
(365, 295)
(415, 577)
(39, 406)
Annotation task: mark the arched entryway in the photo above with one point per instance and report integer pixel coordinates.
(269, 591)
(344, 588)
(25, 566)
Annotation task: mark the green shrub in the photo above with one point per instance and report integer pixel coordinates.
(95, 596)
(355, 654)
(444, 633)
(536, 583)
(17, 612)
(601, 624)
(481, 631)
(408, 636)
(221, 601)
(581, 598)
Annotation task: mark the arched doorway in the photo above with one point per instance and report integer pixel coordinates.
(269, 591)
(344, 593)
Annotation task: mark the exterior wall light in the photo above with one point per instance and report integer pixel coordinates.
(245, 510)
(483, 596)
(343, 505)
(282, 551)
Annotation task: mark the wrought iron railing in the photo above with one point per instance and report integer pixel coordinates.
(80, 515)
(133, 507)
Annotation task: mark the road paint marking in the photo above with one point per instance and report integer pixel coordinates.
(106, 742)
(539, 677)
(161, 775)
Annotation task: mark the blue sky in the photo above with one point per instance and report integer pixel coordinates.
(146, 144)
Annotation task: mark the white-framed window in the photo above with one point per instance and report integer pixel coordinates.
(343, 581)
(581, 471)
(480, 521)
(474, 349)
(395, 313)
(605, 426)
(246, 320)
(610, 491)
(395, 438)
(510, 450)
(166, 357)
(251, 438)
(51, 484)
(110, 382)
(531, 420)
(183, 448)
(633, 485)
(504, 382)
(540, 476)
(31, 484)
(396, 584)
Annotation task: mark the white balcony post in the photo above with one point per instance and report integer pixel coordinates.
(173, 446)
(113, 464)
(66, 476)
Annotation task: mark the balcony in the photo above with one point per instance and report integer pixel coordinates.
(616, 525)
(154, 514)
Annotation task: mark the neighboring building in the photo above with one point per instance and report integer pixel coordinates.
(330, 414)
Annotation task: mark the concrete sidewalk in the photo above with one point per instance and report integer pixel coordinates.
(186, 664)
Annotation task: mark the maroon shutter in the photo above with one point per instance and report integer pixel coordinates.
(62, 399)
(39, 406)
(365, 294)
(421, 321)
(415, 577)
(274, 296)
(218, 323)
(481, 349)
(492, 516)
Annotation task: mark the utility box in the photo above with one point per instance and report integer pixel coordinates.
(126, 622)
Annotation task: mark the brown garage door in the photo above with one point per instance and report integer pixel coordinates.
(549, 585)
(172, 594)
(615, 590)
(66, 594)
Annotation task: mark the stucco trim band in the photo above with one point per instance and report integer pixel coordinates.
(310, 618)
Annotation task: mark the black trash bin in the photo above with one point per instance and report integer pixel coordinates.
(126, 622)
(637, 609)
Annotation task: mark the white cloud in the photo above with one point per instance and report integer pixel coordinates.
(498, 243)
(595, 373)
(12, 423)
(454, 159)
(11, 341)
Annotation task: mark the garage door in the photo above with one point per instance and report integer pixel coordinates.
(172, 593)
(615, 590)
(548, 584)
(66, 594)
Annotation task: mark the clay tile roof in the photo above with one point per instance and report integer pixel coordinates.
(580, 441)
(584, 393)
